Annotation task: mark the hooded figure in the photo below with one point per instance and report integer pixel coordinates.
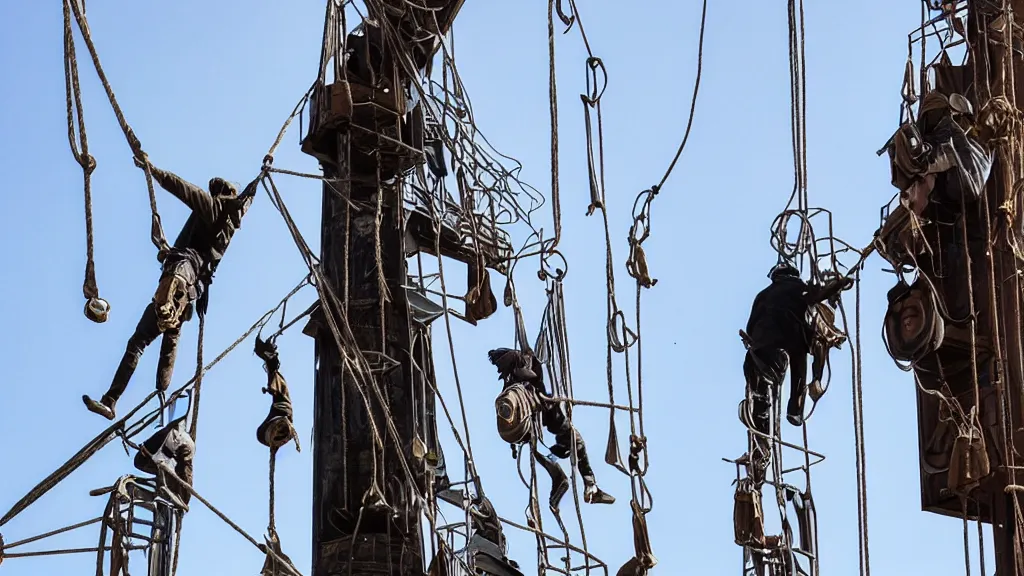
(188, 269)
(523, 397)
(778, 333)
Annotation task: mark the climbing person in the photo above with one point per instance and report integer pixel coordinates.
(778, 335)
(172, 447)
(187, 272)
(523, 397)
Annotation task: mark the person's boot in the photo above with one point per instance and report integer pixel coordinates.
(165, 492)
(795, 410)
(105, 406)
(592, 494)
(560, 451)
(559, 481)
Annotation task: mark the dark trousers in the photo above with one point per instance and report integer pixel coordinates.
(145, 333)
(764, 370)
(554, 419)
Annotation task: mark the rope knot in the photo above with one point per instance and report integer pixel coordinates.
(268, 161)
(133, 141)
(88, 163)
(655, 189)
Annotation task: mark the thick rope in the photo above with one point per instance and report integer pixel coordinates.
(157, 231)
(198, 378)
(80, 150)
(111, 431)
(858, 429)
(272, 522)
(170, 472)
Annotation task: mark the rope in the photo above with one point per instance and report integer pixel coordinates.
(556, 209)
(262, 548)
(5, 547)
(272, 523)
(693, 100)
(80, 150)
(157, 231)
(72, 464)
(198, 378)
(858, 429)
(110, 432)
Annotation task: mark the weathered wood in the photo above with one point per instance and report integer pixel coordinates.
(346, 465)
(454, 244)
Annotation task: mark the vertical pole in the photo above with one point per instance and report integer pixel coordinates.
(993, 76)
(347, 464)
(350, 539)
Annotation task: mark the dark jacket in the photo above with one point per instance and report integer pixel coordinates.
(213, 221)
(778, 317)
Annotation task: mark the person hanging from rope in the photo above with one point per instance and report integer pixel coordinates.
(277, 429)
(778, 334)
(522, 399)
(187, 272)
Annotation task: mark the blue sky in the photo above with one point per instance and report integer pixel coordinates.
(206, 87)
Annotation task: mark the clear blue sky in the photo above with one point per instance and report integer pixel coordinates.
(206, 87)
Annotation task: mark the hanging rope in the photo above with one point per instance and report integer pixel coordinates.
(96, 309)
(858, 429)
(156, 231)
(111, 432)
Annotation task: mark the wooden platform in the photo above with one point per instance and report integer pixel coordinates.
(376, 121)
(454, 243)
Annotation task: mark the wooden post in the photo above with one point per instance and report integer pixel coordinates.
(355, 255)
(989, 58)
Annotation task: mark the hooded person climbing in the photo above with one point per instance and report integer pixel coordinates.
(522, 398)
(187, 272)
(778, 334)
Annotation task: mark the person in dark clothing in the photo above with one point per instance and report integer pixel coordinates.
(187, 273)
(778, 334)
(524, 372)
(172, 446)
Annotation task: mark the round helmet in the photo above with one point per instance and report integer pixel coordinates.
(783, 270)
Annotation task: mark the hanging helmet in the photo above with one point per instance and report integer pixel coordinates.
(97, 309)
(783, 270)
(515, 408)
